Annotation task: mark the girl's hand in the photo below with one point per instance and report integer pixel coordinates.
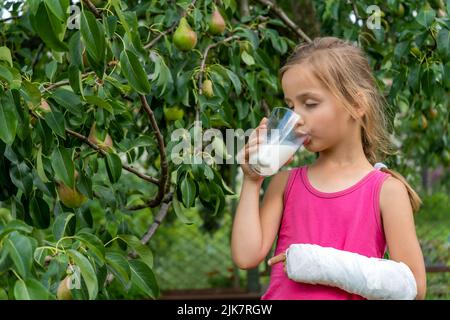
(279, 258)
(253, 141)
(252, 146)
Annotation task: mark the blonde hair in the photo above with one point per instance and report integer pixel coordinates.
(344, 69)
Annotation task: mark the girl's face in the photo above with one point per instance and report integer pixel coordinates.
(323, 117)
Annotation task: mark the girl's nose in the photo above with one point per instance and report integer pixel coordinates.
(301, 121)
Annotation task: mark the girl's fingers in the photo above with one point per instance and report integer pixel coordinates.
(258, 132)
(255, 141)
(279, 258)
(249, 151)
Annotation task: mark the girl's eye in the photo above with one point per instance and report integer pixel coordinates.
(311, 105)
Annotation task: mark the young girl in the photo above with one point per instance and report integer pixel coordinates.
(340, 201)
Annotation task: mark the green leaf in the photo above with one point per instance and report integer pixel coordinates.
(21, 252)
(8, 118)
(208, 172)
(235, 80)
(76, 51)
(111, 24)
(75, 79)
(5, 74)
(84, 185)
(15, 225)
(179, 211)
(58, 8)
(118, 9)
(40, 213)
(162, 74)
(94, 36)
(413, 77)
(99, 102)
(21, 177)
(142, 250)
(63, 166)
(30, 289)
(426, 17)
(142, 276)
(44, 24)
(40, 167)
(119, 266)
(55, 121)
(50, 69)
(443, 43)
(133, 71)
(87, 271)
(94, 244)
(248, 59)
(60, 224)
(31, 93)
(68, 100)
(5, 55)
(250, 35)
(113, 167)
(188, 191)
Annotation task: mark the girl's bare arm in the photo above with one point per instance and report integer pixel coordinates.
(255, 228)
(400, 232)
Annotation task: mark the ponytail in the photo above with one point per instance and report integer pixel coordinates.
(413, 196)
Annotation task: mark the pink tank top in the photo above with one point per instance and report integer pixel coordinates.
(347, 220)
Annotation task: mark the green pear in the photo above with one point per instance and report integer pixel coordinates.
(70, 197)
(106, 144)
(63, 292)
(216, 23)
(173, 113)
(184, 37)
(207, 88)
(44, 106)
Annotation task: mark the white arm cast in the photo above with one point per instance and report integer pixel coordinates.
(371, 278)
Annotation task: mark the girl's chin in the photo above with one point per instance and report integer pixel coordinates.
(309, 146)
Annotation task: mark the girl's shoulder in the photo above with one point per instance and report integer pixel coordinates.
(280, 182)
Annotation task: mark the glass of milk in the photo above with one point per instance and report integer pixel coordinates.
(278, 143)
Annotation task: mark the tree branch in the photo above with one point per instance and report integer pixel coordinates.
(151, 231)
(283, 16)
(10, 18)
(66, 81)
(158, 219)
(159, 36)
(37, 56)
(164, 163)
(92, 8)
(101, 151)
(243, 8)
(355, 10)
(265, 107)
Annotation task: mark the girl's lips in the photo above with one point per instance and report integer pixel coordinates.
(307, 140)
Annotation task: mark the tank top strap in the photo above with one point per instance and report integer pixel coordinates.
(377, 184)
(293, 173)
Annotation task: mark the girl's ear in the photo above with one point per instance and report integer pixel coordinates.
(360, 105)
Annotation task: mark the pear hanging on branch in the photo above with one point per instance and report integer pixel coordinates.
(216, 23)
(70, 197)
(63, 292)
(207, 88)
(106, 144)
(184, 37)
